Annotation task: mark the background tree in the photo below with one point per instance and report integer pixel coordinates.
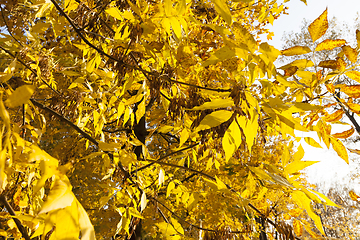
(155, 119)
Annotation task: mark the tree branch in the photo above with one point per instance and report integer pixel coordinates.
(166, 156)
(62, 118)
(351, 118)
(78, 31)
(192, 225)
(12, 213)
(32, 70)
(167, 78)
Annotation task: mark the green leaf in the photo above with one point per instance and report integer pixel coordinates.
(214, 119)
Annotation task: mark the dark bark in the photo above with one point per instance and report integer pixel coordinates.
(261, 221)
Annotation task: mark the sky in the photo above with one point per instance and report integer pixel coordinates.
(331, 170)
(343, 10)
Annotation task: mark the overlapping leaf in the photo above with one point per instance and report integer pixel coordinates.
(318, 27)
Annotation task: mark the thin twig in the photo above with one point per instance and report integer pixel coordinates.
(351, 118)
(7, 27)
(32, 70)
(196, 86)
(193, 225)
(21, 228)
(62, 118)
(78, 31)
(166, 156)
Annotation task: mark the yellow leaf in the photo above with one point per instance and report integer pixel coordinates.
(20, 96)
(330, 44)
(290, 71)
(45, 6)
(354, 107)
(330, 87)
(297, 50)
(249, 127)
(299, 154)
(231, 140)
(244, 36)
(318, 27)
(336, 116)
(177, 226)
(161, 177)
(354, 151)
(181, 7)
(217, 103)
(176, 26)
(350, 53)
(296, 166)
(303, 201)
(220, 184)
(323, 198)
(109, 146)
(214, 119)
(341, 64)
(351, 90)
(86, 228)
(271, 52)
(332, 64)
(67, 223)
(168, 230)
(312, 142)
(60, 196)
(353, 196)
(114, 12)
(298, 228)
(4, 114)
(339, 148)
(354, 75)
(3, 233)
(219, 55)
(170, 187)
(300, 63)
(93, 63)
(143, 201)
(223, 10)
(344, 134)
(134, 212)
(184, 135)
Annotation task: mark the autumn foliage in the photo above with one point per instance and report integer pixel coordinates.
(163, 120)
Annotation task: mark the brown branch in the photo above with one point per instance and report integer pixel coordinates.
(192, 225)
(196, 86)
(7, 27)
(21, 228)
(166, 156)
(78, 31)
(32, 70)
(351, 118)
(181, 167)
(62, 118)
